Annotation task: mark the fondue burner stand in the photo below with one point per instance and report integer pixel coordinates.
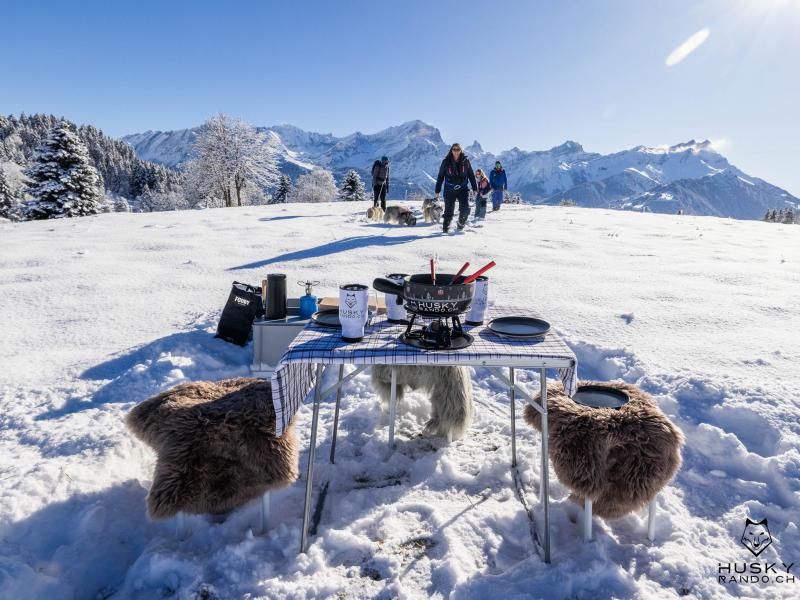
(441, 333)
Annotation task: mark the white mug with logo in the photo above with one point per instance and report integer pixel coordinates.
(353, 310)
(480, 300)
(395, 307)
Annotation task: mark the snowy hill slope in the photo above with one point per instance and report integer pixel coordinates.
(565, 172)
(101, 312)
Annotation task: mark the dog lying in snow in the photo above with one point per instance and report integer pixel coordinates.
(375, 213)
(431, 210)
(399, 215)
(450, 390)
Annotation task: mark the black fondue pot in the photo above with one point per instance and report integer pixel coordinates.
(425, 299)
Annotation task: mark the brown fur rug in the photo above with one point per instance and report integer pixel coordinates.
(216, 446)
(618, 458)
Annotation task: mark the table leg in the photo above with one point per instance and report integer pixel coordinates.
(587, 520)
(310, 469)
(651, 519)
(336, 414)
(392, 407)
(545, 485)
(180, 529)
(264, 512)
(513, 398)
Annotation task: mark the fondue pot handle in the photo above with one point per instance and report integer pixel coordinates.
(387, 286)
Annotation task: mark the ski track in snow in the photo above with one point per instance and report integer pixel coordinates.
(103, 312)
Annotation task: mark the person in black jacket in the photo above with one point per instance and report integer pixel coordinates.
(454, 173)
(380, 181)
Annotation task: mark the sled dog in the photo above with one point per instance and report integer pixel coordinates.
(399, 215)
(375, 213)
(431, 210)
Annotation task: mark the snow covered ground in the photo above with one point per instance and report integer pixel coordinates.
(99, 313)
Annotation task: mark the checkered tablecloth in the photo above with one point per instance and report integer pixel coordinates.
(295, 375)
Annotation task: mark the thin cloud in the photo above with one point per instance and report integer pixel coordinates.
(721, 144)
(686, 48)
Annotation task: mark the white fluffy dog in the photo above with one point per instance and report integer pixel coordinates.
(450, 390)
(375, 213)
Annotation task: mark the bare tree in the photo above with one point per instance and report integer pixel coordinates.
(150, 201)
(316, 186)
(230, 156)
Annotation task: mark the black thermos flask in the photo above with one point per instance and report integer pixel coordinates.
(276, 296)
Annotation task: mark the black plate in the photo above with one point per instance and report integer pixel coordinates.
(519, 328)
(327, 318)
(600, 396)
(457, 343)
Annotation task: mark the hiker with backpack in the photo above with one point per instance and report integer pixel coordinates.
(380, 181)
(499, 183)
(482, 195)
(454, 173)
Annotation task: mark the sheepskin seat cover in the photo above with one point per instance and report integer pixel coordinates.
(215, 444)
(619, 458)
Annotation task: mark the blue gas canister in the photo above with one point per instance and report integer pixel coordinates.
(308, 303)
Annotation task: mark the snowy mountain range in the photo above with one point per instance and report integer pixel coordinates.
(691, 177)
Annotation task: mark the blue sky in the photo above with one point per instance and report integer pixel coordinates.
(528, 74)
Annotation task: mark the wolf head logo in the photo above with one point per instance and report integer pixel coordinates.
(350, 300)
(756, 536)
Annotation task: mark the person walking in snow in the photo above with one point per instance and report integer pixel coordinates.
(380, 181)
(454, 173)
(482, 195)
(499, 183)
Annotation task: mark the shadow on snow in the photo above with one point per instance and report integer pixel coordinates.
(286, 217)
(350, 243)
(141, 372)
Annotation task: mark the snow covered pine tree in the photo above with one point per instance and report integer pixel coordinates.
(63, 181)
(284, 190)
(119, 170)
(8, 203)
(352, 187)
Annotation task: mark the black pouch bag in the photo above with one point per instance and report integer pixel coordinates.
(243, 306)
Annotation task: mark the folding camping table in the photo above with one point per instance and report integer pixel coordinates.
(317, 348)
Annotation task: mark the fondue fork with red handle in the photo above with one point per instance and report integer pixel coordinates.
(479, 272)
(460, 272)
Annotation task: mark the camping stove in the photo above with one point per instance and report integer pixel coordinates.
(440, 333)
